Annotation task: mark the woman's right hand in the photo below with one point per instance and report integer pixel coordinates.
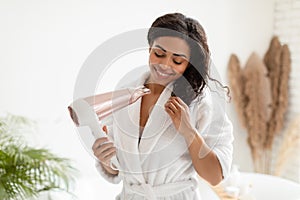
(104, 150)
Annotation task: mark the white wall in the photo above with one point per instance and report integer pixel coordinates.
(287, 28)
(44, 44)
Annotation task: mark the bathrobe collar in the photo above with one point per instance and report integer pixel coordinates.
(158, 120)
(157, 123)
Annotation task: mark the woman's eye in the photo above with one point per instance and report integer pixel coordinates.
(158, 54)
(177, 62)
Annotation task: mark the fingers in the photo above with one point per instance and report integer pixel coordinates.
(103, 149)
(169, 111)
(106, 154)
(98, 142)
(174, 104)
(170, 107)
(180, 102)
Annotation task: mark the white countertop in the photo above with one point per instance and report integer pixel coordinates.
(263, 187)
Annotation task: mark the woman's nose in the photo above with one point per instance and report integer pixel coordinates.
(166, 63)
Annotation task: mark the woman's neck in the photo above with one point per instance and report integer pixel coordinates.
(155, 88)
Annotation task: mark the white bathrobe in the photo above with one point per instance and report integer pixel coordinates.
(160, 167)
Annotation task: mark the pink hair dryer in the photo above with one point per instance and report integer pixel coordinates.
(91, 110)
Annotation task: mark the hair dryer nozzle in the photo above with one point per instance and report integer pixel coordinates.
(73, 115)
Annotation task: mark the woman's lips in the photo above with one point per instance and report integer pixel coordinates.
(163, 74)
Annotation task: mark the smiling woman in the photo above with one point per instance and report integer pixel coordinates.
(175, 133)
(169, 57)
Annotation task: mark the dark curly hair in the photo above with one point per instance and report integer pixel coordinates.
(194, 79)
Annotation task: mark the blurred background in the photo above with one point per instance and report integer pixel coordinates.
(45, 43)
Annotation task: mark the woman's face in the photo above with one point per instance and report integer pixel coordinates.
(169, 57)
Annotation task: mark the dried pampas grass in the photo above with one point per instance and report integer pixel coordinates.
(235, 75)
(278, 62)
(252, 97)
(260, 93)
(257, 110)
(290, 142)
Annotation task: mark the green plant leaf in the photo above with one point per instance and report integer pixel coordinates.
(27, 171)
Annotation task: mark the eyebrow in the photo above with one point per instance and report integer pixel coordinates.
(175, 54)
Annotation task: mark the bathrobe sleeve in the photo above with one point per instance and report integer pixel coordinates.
(216, 129)
(109, 177)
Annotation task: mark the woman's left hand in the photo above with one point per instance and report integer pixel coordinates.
(180, 115)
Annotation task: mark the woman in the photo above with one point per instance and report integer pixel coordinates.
(169, 137)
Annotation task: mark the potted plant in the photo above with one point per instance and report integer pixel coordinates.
(25, 171)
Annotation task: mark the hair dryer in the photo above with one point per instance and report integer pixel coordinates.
(89, 111)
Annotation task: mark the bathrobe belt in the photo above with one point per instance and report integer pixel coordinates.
(152, 192)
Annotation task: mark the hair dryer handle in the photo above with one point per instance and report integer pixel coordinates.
(114, 163)
(84, 115)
